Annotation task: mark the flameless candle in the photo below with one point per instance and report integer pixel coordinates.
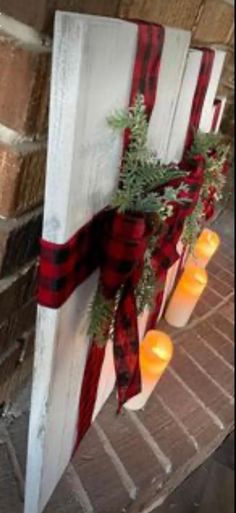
(156, 351)
(186, 295)
(205, 247)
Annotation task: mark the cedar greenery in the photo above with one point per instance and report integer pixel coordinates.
(141, 171)
(141, 175)
(215, 151)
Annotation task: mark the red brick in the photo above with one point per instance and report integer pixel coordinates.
(228, 311)
(19, 241)
(15, 326)
(202, 308)
(222, 324)
(17, 290)
(202, 386)
(219, 286)
(14, 371)
(211, 297)
(186, 409)
(24, 86)
(175, 14)
(210, 362)
(40, 14)
(221, 344)
(225, 262)
(132, 459)
(107, 479)
(215, 23)
(21, 178)
(8, 362)
(168, 434)
(222, 274)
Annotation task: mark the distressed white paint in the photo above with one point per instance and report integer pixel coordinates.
(176, 43)
(185, 101)
(175, 50)
(206, 118)
(223, 100)
(164, 461)
(184, 106)
(125, 478)
(93, 60)
(181, 123)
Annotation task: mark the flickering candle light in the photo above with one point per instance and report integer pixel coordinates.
(156, 351)
(205, 247)
(186, 295)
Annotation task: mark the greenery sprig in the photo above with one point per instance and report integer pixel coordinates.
(141, 176)
(215, 152)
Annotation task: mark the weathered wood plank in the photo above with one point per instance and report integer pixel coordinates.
(92, 70)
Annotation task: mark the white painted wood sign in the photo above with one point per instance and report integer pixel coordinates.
(93, 60)
(223, 101)
(181, 122)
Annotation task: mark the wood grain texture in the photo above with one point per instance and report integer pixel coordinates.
(206, 118)
(93, 61)
(171, 74)
(184, 106)
(92, 70)
(169, 83)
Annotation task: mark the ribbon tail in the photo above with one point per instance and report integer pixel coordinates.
(126, 348)
(154, 315)
(89, 390)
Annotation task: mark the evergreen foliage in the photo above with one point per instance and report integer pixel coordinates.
(143, 188)
(215, 152)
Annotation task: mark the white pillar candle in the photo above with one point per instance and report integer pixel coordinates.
(156, 351)
(186, 296)
(206, 246)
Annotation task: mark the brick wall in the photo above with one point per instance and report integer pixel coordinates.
(25, 54)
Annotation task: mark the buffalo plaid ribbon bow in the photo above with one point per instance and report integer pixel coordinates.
(166, 253)
(167, 257)
(65, 266)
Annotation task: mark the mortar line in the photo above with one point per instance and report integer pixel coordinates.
(201, 403)
(210, 378)
(125, 478)
(203, 318)
(148, 438)
(178, 421)
(223, 335)
(15, 463)
(78, 490)
(215, 352)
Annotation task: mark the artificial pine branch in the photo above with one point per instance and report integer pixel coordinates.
(215, 152)
(141, 176)
(142, 172)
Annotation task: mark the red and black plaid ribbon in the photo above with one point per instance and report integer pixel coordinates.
(207, 62)
(209, 203)
(126, 354)
(119, 255)
(63, 267)
(217, 110)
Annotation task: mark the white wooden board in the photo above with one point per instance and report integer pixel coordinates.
(170, 78)
(181, 123)
(223, 100)
(172, 67)
(184, 106)
(206, 118)
(93, 61)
